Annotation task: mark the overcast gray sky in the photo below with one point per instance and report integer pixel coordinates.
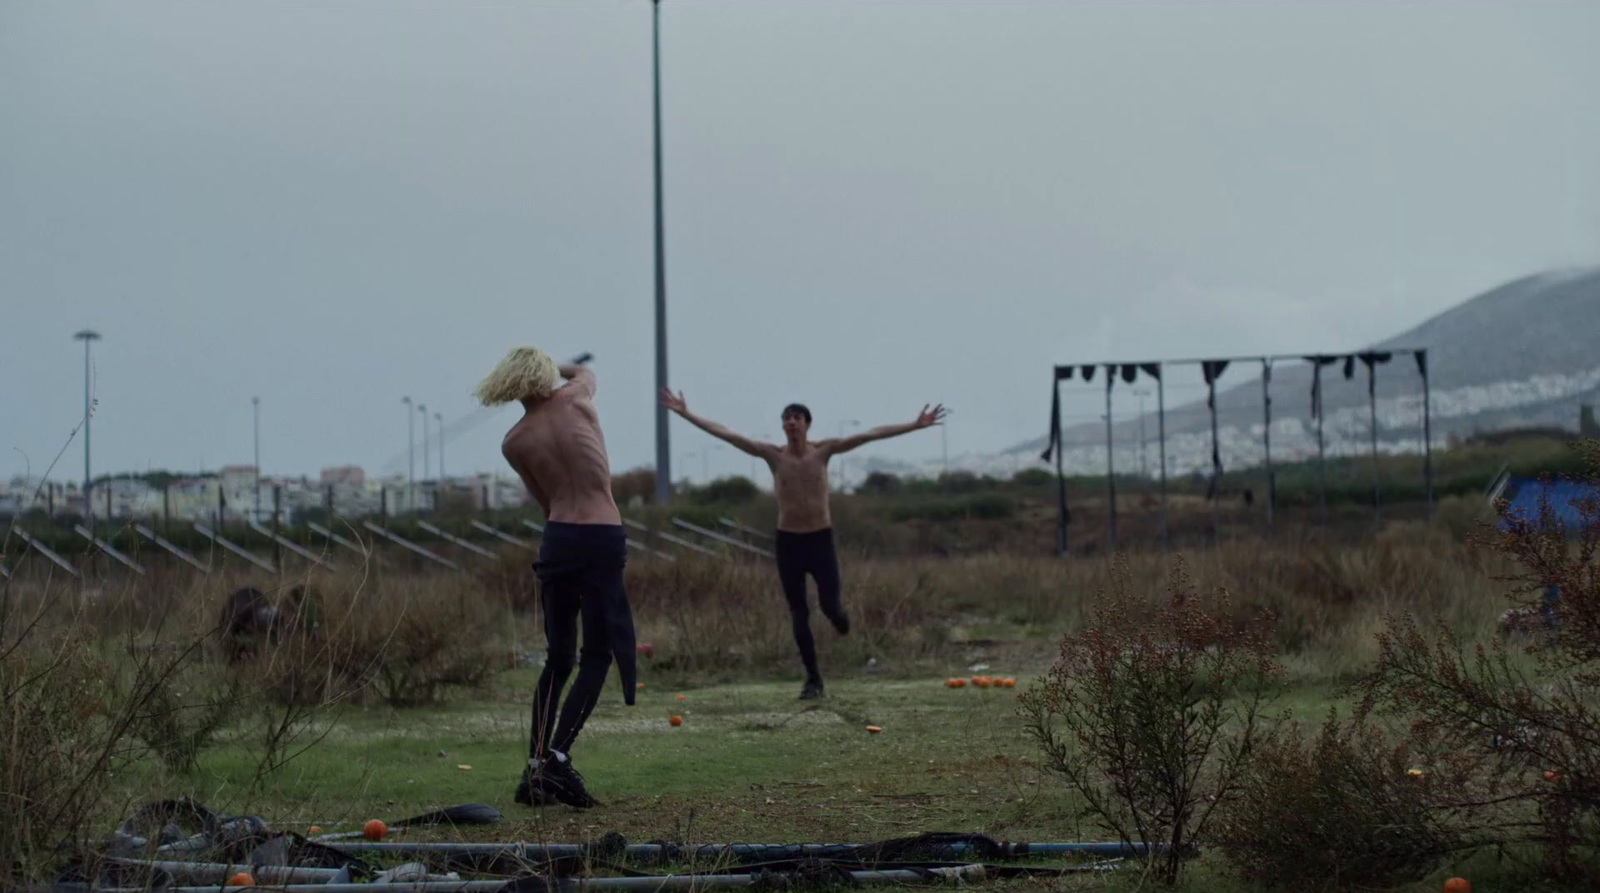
(870, 205)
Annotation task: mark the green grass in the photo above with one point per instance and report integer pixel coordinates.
(751, 763)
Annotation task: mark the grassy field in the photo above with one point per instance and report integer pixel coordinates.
(430, 672)
(749, 764)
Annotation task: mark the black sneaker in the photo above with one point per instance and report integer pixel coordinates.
(812, 690)
(560, 780)
(530, 791)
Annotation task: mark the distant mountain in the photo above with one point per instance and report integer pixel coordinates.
(1525, 353)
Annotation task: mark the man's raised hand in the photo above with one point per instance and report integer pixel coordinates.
(930, 417)
(674, 402)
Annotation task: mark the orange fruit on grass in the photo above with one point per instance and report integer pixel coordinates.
(1458, 885)
(242, 879)
(957, 683)
(675, 720)
(374, 830)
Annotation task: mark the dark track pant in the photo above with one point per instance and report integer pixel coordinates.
(800, 554)
(580, 575)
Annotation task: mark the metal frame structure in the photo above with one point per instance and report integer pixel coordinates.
(1211, 370)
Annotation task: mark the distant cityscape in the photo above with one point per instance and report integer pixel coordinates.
(237, 492)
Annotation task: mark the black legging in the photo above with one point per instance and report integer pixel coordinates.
(812, 553)
(580, 573)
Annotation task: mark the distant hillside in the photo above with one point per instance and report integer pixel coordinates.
(1524, 354)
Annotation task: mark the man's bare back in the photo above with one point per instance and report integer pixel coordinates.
(560, 453)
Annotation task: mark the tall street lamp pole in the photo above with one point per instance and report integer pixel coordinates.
(87, 336)
(411, 454)
(663, 443)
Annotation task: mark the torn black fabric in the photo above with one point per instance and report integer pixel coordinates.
(1052, 440)
(1130, 373)
(1317, 361)
(1063, 372)
(1152, 369)
(1088, 373)
(1422, 363)
(1349, 367)
(1211, 370)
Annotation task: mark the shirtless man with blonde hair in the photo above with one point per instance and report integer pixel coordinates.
(804, 539)
(558, 450)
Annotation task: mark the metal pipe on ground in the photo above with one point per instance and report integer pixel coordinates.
(957, 874)
(644, 851)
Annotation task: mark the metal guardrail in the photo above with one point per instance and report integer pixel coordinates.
(109, 549)
(675, 540)
(235, 548)
(164, 543)
(407, 544)
(291, 545)
(47, 552)
(452, 538)
(501, 535)
(742, 528)
(713, 535)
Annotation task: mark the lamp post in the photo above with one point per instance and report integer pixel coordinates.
(86, 336)
(255, 407)
(438, 425)
(663, 443)
(411, 454)
(1141, 393)
(842, 424)
(423, 408)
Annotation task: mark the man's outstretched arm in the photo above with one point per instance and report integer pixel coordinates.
(677, 404)
(578, 376)
(925, 419)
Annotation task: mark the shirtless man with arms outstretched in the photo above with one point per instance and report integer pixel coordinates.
(804, 540)
(558, 450)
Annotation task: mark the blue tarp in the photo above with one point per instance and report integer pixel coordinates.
(1568, 500)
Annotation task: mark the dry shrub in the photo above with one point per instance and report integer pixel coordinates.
(1527, 721)
(407, 641)
(186, 705)
(1153, 712)
(56, 748)
(1341, 810)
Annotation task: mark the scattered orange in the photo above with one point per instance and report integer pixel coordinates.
(242, 879)
(683, 697)
(1552, 776)
(641, 686)
(675, 720)
(874, 729)
(314, 830)
(1011, 682)
(1458, 885)
(955, 683)
(375, 830)
(982, 681)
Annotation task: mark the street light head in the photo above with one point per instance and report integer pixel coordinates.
(86, 335)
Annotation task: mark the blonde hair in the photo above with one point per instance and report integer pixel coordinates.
(526, 373)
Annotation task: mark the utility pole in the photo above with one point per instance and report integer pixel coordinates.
(87, 336)
(663, 442)
(411, 454)
(421, 407)
(438, 420)
(255, 406)
(1144, 466)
